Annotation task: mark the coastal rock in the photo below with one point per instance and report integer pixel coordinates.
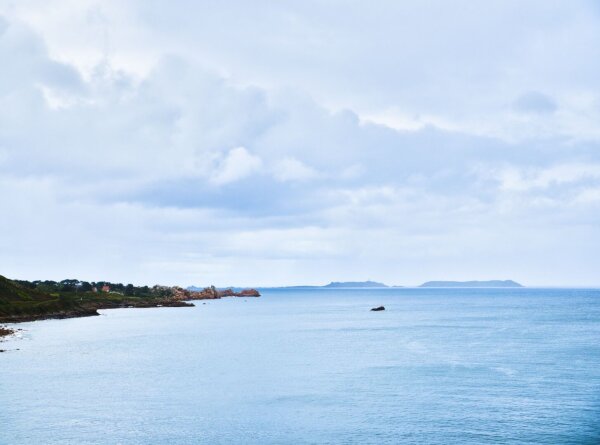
(67, 313)
(226, 293)
(5, 332)
(378, 308)
(166, 302)
(208, 293)
(212, 293)
(248, 293)
(242, 293)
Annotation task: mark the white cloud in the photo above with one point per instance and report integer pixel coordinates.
(237, 164)
(467, 73)
(535, 102)
(310, 153)
(541, 178)
(290, 169)
(589, 195)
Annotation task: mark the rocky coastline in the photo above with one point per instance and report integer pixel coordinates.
(174, 297)
(180, 298)
(212, 293)
(22, 301)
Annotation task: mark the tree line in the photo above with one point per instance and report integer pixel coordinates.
(77, 286)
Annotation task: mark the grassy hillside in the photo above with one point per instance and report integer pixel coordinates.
(18, 302)
(34, 300)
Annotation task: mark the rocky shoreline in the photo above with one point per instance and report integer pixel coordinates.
(212, 293)
(176, 297)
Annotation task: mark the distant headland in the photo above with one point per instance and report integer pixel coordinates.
(354, 284)
(489, 283)
(342, 285)
(375, 284)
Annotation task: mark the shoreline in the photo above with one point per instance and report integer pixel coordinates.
(181, 298)
(88, 312)
(92, 310)
(7, 333)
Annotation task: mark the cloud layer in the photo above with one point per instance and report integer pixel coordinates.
(290, 144)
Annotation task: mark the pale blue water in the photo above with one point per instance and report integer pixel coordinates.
(438, 366)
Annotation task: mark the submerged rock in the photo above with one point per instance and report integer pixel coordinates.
(379, 308)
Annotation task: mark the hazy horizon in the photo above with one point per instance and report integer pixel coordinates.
(272, 144)
(408, 284)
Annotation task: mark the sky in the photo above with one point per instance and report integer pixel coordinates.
(282, 143)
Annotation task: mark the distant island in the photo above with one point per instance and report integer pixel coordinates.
(375, 284)
(342, 285)
(489, 283)
(22, 300)
(354, 284)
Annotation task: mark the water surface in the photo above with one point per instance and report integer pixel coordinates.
(439, 366)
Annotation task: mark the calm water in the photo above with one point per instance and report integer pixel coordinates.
(314, 366)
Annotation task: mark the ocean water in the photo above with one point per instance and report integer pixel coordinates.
(439, 366)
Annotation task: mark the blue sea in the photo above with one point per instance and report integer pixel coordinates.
(314, 366)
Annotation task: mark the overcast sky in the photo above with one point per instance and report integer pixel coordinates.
(272, 143)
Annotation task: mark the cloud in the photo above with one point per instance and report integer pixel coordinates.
(543, 178)
(237, 164)
(535, 102)
(290, 169)
(457, 64)
(315, 157)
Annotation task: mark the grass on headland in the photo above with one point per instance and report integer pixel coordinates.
(32, 300)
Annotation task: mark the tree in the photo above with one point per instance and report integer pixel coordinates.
(68, 285)
(85, 287)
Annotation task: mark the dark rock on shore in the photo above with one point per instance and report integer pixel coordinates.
(379, 308)
(4, 332)
(19, 318)
(162, 303)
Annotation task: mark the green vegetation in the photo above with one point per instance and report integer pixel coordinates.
(31, 300)
(17, 301)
